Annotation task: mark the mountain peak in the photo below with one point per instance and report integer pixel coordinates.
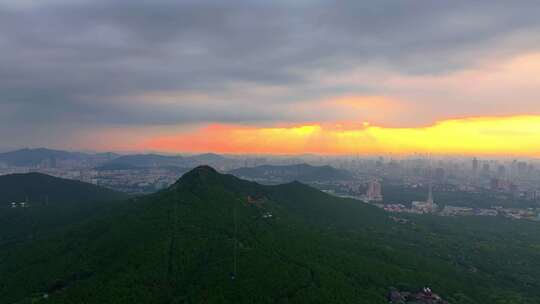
(204, 177)
(200, 174)
(204, 169)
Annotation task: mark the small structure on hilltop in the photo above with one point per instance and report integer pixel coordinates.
(255, 201)
(394, 296)
(19, 205)
(425, 296)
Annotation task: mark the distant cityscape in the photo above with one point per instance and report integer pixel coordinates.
(507, 187)
(518, 184)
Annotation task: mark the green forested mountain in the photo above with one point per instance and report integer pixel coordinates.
(50, 204)
(37, 188)
(213, 238)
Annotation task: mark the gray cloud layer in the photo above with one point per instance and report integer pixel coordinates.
(66, 62)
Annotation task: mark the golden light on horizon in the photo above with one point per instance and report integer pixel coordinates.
(517, 135)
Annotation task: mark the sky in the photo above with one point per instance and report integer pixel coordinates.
(283, 77)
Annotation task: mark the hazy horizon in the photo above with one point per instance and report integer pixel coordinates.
(388, 156)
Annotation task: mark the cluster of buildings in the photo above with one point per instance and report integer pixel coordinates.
(465, 211)
(518, 214)
(417, 208)
(374, 196)
(513, 178)
(420, 208)
(424, 296)
(139, 180)
(516, 179)
(374, 192)
(512, 181)
(19, 205)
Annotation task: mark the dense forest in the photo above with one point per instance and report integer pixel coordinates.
(37, 188)
(50, 204)
(213, 238)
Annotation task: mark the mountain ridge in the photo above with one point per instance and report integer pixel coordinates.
(287, 173)
(37, 186)
(36, 156)
(32, 157)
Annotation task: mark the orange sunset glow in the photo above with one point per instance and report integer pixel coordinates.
(480, 135)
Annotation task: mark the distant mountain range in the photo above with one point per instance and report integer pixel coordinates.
(108, 161)
(36, 205)
(215, 238)
(34, 157)
(289, 173)
(155, 160)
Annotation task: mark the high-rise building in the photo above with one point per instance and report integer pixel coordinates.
(522, 168)
(440, 175)
(475, 164)
(428, 206)
(501, 171)
(485, 170)
(503, 185)
(494, 184)
(374, 192)
(430, 195)
(533, 195)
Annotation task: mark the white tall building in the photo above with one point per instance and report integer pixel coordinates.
(429, 205)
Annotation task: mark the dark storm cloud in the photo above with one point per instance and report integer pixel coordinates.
(82, 61)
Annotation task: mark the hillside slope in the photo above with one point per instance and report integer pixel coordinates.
(50, 204)
(213, 238)
(37, 188)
